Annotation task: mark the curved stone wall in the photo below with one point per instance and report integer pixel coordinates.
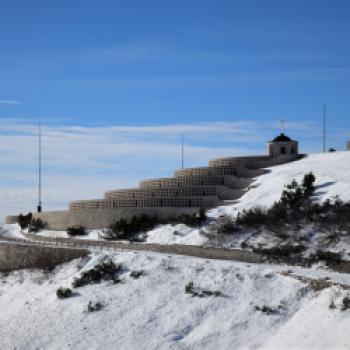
(205, 180)
(200, 171)
(163, 192)
(190, 189)
(221, 192)
(189, 201)
(237, 161)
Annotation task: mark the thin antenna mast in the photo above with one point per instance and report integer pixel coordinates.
(282, 125)
(182, 151)
(39, 204)
(324, 126)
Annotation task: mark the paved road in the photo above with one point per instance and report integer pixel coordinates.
(177, 249)
(196, 251)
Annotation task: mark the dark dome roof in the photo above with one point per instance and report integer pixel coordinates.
(282, 137)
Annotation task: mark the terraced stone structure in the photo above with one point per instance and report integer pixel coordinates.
(223, 181)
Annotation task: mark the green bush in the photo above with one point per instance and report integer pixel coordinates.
(24, 220)
(252, 217)
(106, 270)
(192, 220)
(226, 225)
(92, 307)
(131, 229)
(137, 274)
(76, 231)
(329, 257)
(63, 293)
(201, 293)
(268, 310)
(36, 225)
(189, 288)
(345, 303)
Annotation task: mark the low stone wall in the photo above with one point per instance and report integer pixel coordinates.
(11, 219)
(100, 218)
(25, 256)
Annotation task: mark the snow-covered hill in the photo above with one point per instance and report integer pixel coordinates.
(332, 171)
(260, 306)
(154, 312)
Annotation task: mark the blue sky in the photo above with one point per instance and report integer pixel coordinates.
(159, 69)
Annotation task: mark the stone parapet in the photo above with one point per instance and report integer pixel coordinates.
(236, 161)
(206, 171)
(222, 192)
(189, 201)
(204, 180)
(171, 191)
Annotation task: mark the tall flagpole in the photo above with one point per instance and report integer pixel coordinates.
(324, 126)
(182, 151)
(39, 204)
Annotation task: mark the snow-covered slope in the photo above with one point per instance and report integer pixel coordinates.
(332, 171)
(154, 312)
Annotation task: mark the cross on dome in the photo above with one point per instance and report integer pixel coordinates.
(282, 125)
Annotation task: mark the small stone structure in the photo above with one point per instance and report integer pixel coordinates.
(281, 145)
(224, 179)
(348, 146)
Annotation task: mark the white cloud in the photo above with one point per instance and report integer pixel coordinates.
(9, 102)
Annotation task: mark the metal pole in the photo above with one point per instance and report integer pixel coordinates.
(182, 151)
(39, 204)
(324, 126)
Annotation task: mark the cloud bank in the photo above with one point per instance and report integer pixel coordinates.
(9, 102)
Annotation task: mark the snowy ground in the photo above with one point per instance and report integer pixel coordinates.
(154, 312)
(332, 171)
